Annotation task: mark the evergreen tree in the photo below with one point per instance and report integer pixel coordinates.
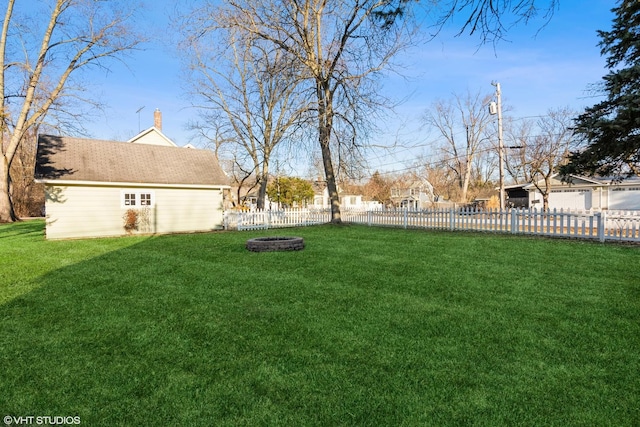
(611, 128)
(290, 192)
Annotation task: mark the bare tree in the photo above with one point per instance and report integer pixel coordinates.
(27, 196)
(245, 89)
(37, 70)
(548, 149)
(462, 122)
(445, 186)
(492, 19)
(339, 47)
(516, 135)
(378, 188)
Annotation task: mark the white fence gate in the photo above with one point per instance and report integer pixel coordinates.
(595, 225)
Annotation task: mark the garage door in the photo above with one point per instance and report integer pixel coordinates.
(570, 199)
(624, 198)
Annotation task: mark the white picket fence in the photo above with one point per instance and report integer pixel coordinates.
(595, 225)
(265, 219)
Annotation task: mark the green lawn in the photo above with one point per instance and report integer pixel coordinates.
(366, 326)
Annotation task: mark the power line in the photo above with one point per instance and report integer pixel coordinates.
(432, 163)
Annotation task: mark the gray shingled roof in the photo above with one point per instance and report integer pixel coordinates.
(78, 159)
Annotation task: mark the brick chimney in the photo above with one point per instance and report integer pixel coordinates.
(157, 119)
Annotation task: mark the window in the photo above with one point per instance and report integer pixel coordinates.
(130, 199)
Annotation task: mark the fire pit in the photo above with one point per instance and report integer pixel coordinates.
(270, 244)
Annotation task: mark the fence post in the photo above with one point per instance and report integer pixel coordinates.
(601, 219)
(406, 217)
(452, 219)
(514, 218)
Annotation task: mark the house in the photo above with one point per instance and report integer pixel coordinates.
(348, 199)
(95, 188)
(585, 193)
(250, 199)
(413, 194)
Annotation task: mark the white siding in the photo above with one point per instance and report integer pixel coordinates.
(75, 211)
(179, 210)
(87, 211)
(153, 139)
(152, 136)
(351, 201)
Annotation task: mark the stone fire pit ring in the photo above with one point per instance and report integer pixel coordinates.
(271, 244)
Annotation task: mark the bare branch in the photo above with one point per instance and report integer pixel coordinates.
(77, 35)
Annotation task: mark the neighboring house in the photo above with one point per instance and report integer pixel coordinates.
(413, 195)
(321, 199)
(585, 193)
(154, 135)
(90, 185)
(250, 199)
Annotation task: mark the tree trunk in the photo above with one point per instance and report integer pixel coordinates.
(325, 126)
(6, 207)
(545, 201)
(545, 193)
(332, 187)
(465, 182)
(262, 193)
(263, 180)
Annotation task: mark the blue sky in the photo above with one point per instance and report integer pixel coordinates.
(538, 69)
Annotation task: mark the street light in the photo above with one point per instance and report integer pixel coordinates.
(496, 108)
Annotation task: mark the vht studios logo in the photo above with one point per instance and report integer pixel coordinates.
(41, 420)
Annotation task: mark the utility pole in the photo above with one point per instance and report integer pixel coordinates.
(493, 109)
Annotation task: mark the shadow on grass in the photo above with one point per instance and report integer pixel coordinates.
(30, 228)
(365, 327)
(129, 337)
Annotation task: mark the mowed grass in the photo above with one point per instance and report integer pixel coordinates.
(365, 326)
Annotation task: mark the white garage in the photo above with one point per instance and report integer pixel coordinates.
(584, 193)
(570, 198)
(624, 198)
(97, 188)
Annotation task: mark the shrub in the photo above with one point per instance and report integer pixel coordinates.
(130, 220)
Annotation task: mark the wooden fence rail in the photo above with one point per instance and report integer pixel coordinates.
(595, 225)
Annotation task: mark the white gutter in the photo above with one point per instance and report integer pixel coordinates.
(62, 182)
